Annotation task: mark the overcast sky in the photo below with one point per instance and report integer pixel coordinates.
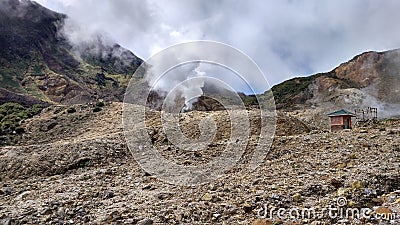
(286, 38)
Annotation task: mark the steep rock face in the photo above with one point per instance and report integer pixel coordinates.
(362, 71)
(38, 61)
(369, 79)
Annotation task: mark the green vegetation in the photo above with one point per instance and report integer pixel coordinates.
(286, 91)
(71, 110)
(9, 82)
(14, 70)
(97, 109)
(13, 114)
(110, 63)
(249, 100)
(98, 106)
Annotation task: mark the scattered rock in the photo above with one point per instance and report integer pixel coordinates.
(23, 195)
(113, 217)
(261, 222)
(316, 223)
(247, 207)
(342, 191)
(336, 183)
(358, 184)
(383, 211)
(61, 212)
(108, 194)
(297, 197)
(103, 184)
(146, 222)
(207, 197)
(9, 191)
(352, 156)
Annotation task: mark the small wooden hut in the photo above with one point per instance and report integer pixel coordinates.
(341, 120)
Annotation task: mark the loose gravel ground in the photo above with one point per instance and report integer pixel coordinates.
(75, 168)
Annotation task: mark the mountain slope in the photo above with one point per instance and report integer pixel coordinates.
(369, 79)
(38, 64)
(37, 61)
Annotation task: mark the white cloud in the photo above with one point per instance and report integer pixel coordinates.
(285, 37)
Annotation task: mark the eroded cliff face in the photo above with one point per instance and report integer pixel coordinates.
(362, 71)
(369, 79)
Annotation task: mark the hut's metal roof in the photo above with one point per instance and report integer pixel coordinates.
(341, 112)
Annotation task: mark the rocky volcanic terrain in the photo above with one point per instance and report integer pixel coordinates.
(64, 157)
(74, 167)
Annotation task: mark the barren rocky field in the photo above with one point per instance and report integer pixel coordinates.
(75, 168)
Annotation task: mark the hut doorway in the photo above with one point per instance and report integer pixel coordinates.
(347, 123)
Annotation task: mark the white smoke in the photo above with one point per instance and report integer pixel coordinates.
(384, 94)
(95, 43)
(178, 83)
(192, 90)
(385, 109)
(17, 8)
(286, 38)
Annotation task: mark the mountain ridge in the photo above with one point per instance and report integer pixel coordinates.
(38, 61)
(368, 79)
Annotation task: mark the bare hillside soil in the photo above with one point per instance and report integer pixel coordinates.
(75, 168)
